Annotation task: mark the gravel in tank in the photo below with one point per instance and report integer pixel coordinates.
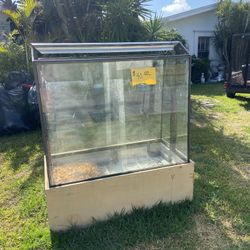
(74, 172)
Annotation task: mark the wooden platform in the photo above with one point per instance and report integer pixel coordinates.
(77, 204)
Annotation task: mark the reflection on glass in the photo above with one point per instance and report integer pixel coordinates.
(102, 121)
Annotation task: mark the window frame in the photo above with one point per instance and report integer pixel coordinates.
(203, 47)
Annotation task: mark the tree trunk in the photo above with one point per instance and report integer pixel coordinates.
(26, 55)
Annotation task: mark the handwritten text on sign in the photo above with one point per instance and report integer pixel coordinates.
(143, 76)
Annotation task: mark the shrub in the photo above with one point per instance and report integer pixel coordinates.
(199, 66)
(12, 57)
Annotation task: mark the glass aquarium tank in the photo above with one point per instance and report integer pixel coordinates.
(112, 109)
(115, 124)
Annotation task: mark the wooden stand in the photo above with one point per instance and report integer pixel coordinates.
(77, 204)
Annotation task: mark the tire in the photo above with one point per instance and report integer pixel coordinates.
(231, 95)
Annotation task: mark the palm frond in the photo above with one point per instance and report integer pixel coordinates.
(14, 32)
(8, 4)
(15, 16)
(154, 28)
(27, 7)
(3, 49)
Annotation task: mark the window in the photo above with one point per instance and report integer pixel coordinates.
(203, 47)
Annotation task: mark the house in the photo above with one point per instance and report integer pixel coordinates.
(4, 25)
(197, 27)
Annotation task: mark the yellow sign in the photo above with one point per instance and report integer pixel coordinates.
(143, 76)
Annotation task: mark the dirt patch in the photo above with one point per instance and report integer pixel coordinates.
(215, 116)
(209, 234)
(74, 172)
(244, 171)
(207, 104)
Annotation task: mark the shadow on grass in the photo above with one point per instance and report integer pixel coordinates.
(24, 149)
(19, 147)
(245, 100)
(208, 89)
(141, 228)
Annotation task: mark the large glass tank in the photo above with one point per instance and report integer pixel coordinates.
(110, 109)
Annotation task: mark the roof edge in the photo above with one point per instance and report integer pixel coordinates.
(192, 12)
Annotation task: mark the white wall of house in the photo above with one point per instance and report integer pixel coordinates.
(192, 25)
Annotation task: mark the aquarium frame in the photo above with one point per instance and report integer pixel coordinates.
(102, 48)
(148, 46)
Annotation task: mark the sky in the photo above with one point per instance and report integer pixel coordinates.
(170, 7)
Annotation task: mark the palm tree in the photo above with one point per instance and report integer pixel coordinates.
(23, 17)
(122, 20)
(154, 28)
(156, 31)
(81, 19)
(48, 25)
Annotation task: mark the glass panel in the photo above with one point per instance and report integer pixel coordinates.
(104, 118)
(175, 108)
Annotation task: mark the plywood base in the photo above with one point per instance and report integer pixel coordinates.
(78, 204)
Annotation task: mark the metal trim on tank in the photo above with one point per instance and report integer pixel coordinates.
(100, 48)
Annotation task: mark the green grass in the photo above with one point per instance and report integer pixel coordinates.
(217, 218)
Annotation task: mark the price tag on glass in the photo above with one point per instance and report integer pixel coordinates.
(143, 76)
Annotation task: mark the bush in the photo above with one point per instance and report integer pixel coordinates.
(199, 66)
(12, 58)
(173, 35)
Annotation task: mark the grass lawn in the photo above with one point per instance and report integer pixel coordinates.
(217, 218)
